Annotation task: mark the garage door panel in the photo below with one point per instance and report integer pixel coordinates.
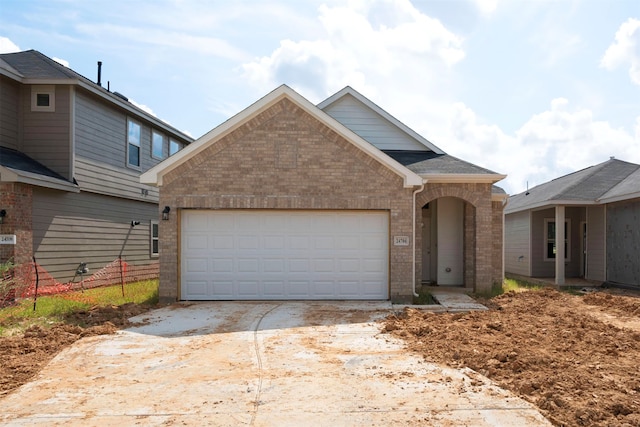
(274, 242)
(196, 241)
(284, 255)
(222, 265)
(248, 288)
(298, 289)
(197, 265)
(274, 288)
(222, 242)
(223, 289)
(323, 288)
(298, 265)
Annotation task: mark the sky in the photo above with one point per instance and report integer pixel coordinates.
(533, 89)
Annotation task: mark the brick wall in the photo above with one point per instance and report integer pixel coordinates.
(284, 158)
(17, 200)
(480, 259)
(497, 242)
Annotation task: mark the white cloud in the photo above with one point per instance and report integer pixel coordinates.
(7, 46)
(171, 39)
(486, 7)
(367, 45)
(143, 107)
(61, 61)
(625, 50)
(550, 144)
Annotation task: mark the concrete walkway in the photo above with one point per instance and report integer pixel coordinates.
(258, 364)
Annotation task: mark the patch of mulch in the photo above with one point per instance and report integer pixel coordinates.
(24, 355)
(551, 348)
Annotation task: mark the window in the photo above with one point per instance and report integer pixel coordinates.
(155, 243)
(550, 240)
(157, 145)
(43, 98)
(174, 147)
(133, 144)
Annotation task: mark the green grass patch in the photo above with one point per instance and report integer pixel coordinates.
(55, 308)
(424, 298)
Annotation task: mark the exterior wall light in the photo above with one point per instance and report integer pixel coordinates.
(165, 213)
(3, 213)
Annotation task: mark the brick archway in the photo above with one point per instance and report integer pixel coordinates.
(477, 247)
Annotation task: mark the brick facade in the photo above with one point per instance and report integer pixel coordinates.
(482, 222)
(17, 200)
(283, 158)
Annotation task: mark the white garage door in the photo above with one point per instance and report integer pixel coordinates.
(258, 255)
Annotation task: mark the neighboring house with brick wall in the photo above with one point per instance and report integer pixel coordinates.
(71, 153)
(289, 200)
(600, 209)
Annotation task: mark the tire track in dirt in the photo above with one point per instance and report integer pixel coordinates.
(256, 346)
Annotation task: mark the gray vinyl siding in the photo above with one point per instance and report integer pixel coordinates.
(69, 228)
(547, 268)
(46, 136)
(596, 243)
(9, 101)
(517, 231)
(101, 151)
(540, 267)
(110, 180)
(623, 243)
(371, 126)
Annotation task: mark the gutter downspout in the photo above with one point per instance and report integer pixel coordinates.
(413, 273)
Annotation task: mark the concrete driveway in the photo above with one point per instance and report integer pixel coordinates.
(260, 364)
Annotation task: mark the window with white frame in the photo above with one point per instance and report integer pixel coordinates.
(174, 147)
(157, 145)
(155, 241)
(43, 98)
(133, 144)
(550, 246)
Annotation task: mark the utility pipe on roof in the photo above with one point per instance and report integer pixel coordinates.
(413, 273)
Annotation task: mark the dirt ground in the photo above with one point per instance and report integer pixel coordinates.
(575, 357)
(24, 355)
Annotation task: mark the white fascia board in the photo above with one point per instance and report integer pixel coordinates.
(154, 175)
(481, 178)
(8, 71)
(406, 129)
(621, 198)
(553, 203)
(15, 175)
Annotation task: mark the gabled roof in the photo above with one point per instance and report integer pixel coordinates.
(18, 167)
(443, 167)
(33, 67)
(629, 188)
(32, 64)
(596, 184)
(395, 122)
(154, 175)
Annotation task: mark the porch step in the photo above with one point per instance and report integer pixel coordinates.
(456, 301)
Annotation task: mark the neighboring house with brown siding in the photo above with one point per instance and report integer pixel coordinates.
(600, 209)
(289, 200)
(71, 153)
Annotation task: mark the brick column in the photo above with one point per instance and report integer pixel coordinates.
(484, 252)
(17, 200)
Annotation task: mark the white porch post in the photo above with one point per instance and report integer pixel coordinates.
(560, 233)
